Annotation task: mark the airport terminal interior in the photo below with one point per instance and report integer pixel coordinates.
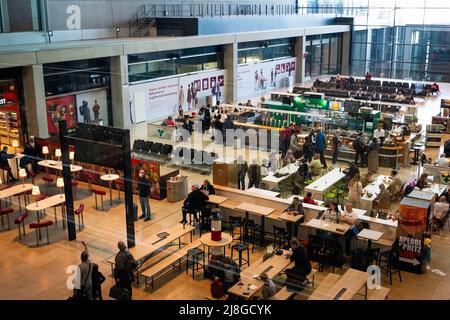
(235, 150)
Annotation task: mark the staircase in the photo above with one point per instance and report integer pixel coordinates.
(142, 21)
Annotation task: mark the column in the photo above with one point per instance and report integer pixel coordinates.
(231, 81)
(299, 51)
(34, 92)
(346, 47)
(119, 92)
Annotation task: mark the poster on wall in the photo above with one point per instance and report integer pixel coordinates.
(61, 108)
(263, 77)
(157, 100)
(92, 106)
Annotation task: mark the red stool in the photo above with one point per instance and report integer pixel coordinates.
(90, 177)
(78, 213)
(32, 176)
(20, 220)
(75, 187)
(47, 180)
(6, 212)
(39, 198)
(120, 184)
(100, 193)
(43, 224)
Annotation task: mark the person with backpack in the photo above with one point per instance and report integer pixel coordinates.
(321, 145)
(97, 280)
(125, 265)
(308, 149)
(83, 290)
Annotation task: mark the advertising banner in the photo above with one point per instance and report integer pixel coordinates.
(259, 78)
(96, 106)
(61, 108)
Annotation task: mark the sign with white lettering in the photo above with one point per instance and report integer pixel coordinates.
(2, 101)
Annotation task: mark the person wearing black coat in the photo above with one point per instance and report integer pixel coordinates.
(207, 188)
(4, 164)
(195, 201)
(308, 150)
(33, 154)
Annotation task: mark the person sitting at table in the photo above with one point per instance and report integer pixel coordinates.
(295, 208)
(442, 161)
(4, 164)
(300, 177)
(308, 199)
(422, 182)
(269, 289)
(289, 158)
(33, 154)
(395, 188)
(315, 165)
(355, 191)
(399, 97)
(217, 288)
(383, 201)
(351, 171)
(441, 209)
(366, 178)
(207, 188)
(350, 217)
(195, 201)
(332, 214)
(229, 274)
(302, 265)
(168, 122)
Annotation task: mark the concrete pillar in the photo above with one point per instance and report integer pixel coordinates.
(230, 58)
(35, 107)
(346, 49)
(300, 49)
(119, 92)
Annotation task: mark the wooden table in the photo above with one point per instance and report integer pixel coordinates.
(434, 188)
(14, 191)
(52, 164)
(16, 158)
(337, 228)
(374, 189)
(422, 195)
(262, 192)
(294, 219)
(216, 200)
(257, 210)
(319, 202)
(352, 281)
(273, 181)
(319, 187)
(152, 245)
(272, 267)
(51, 202)
(110, 178)
(324, 287)
(370, 235)
(226, 240)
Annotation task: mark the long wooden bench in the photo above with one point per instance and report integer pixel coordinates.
(283, 294)
(378, 294)
(155, 272)
(324, 286)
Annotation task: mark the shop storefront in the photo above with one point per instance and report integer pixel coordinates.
(11, 123)
(78, 91)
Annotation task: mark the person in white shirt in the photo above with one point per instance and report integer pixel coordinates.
(443, 161)
(379, 133)
(350, 217)
(441, 208)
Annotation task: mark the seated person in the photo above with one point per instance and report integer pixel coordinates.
(168, 122)
(289, 158)
(302, 265)
(300, 177)
(396, 185)
(435, 87)
(399, 97)
(269, 289)
(383, 201)
(422, 182)
(295, 208)
(4, 164)
(195, 201)
(349, 217)
(441, 209)
(366, 178)
(315, 165)
(442, 161)
(229, 274)
(217, 289)
(332, 214)
(308, 199)
(33, 154)
(351, 171)
(207, 188)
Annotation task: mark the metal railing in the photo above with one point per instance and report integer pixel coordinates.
(142, 21)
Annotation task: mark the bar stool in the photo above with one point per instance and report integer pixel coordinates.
(48, 181)
(280, 236)
(6, 212)
(43, 224)
(240, 248)
(100, 193)
(195, 260)
(205, 221)
(90, 177)
(20, 221)
(78, 213)
(75, 187)
(389, 262)
(236, 223)
(120, 184)
(252, 228)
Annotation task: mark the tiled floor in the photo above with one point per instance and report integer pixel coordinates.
(40, 273)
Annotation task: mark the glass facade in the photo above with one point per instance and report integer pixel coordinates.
(256, 51)
(20, 15)
(153, 65)
(324, 54)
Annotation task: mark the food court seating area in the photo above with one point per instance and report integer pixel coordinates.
(152, 151)
(197, 160)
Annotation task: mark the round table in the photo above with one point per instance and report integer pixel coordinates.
(226, 240)
(110, 178)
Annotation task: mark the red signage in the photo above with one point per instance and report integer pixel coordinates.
(62, 108)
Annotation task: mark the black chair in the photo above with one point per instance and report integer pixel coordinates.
(334, 253)
(137, 145)
(280, 237)
(236, 223)
(146, 146)
(389, 261)
(195, 260)
(251, 229)
(156, 147)
(240, 248)
(166, 149)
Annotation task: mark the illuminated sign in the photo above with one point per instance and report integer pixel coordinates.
(335, 105)
(301, 103)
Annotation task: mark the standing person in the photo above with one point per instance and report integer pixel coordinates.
(300, 177)
(336, 145)
(181, 97)
(194, 95)
(144, 189)
(33, 154)
(379, 133)
(256, 80)
(302, 265)
(228, 127)
(308, 149)
(86, 112)
(4, 164)
(355, 191)
(351, 171)
(84, 291)
(242, 169)
(312, 136)
(316, 166)
(97, 279)
(96, 110)
(321, 145)
(373, 156)
(189, 96)
(273, 162)
(195, 201)
(254, 172)
(272, 84)
(359, 145)
(125, 265)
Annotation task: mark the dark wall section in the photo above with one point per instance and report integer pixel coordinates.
(177, 27)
